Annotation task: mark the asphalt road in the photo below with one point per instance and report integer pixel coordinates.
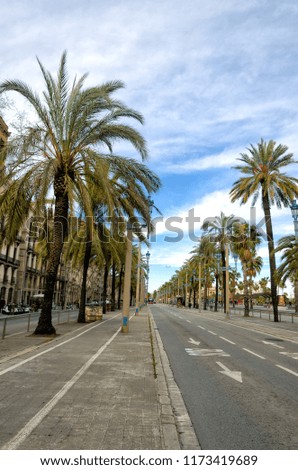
(238, 377)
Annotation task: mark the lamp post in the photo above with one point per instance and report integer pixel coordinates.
(236, 257)
(138, 280)
(227, 283)
(294, 210)
(148, 269)
(127, 281)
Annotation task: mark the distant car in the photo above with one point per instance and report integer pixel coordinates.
(11, 309)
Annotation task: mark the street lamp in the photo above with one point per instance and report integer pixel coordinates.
(236, 257)
(148, 269)
(138, 280)
(294, 210)
(127, 281)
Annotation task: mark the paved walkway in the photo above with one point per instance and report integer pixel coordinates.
(92, 387)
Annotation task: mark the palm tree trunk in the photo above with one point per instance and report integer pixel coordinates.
(216, 291)
(223, 260)
(44, 326)
(105, 288)
(272, 264)
(245, 292)
(113, 291)
(87, 255)
(120, 287)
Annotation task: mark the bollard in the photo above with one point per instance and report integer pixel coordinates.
(29, 319)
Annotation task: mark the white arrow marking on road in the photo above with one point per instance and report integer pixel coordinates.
(206, 352)
(234, 374)
(273, 344)
(192, 341)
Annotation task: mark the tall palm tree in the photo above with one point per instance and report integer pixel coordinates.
(74, 126)
(288, 269)
(262, 169)
(244, 243)
(221, 226)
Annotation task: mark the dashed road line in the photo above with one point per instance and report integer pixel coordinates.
(273, 344)
(228, 340)
(255, 354)
(287, 370)
(202, 328)
(212, 332)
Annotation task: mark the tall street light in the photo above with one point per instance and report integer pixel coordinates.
(127, 281)
(294, 210)
(148, 269)
(138, 280)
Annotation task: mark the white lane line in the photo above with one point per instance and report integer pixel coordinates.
(19, 364)
(36, 420)
(273, 344)
(228, 340)
(212, 332)
(287, 370)
(202, 328)
(188, 321)
(292, 355)
(255, 354)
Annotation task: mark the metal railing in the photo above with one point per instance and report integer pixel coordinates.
(265, 313)
(58, 316)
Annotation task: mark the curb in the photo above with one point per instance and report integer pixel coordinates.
(177, 429)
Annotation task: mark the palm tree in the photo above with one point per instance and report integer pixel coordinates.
(262, 167)
(244, 242)
(74, 126)
(222, 227)
(288, 269)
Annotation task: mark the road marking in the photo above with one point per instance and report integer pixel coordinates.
(255, 354)
(19, 364)
(202, 328)
(36, 420)
(212, 332)
(192, 341)
(234, 374)
(188, 321)
(273, 344)
(292, 355)
(206, 352)
(228, 340)
(287, 370)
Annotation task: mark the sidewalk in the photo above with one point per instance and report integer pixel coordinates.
(126, 399)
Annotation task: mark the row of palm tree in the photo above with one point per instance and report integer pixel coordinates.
(68, 152)
(262, 169)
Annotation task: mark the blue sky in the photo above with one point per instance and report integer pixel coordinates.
(209, 76)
